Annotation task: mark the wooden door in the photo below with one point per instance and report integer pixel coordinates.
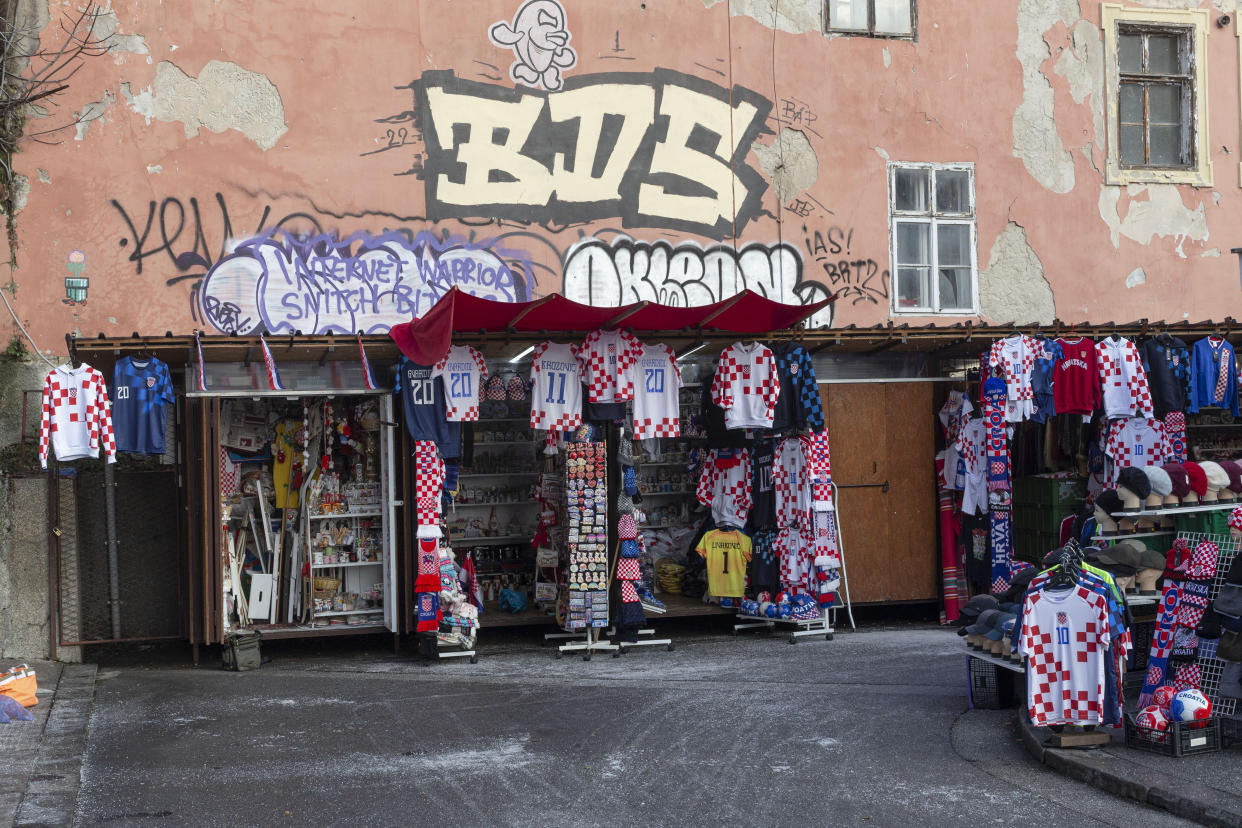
(884, 433)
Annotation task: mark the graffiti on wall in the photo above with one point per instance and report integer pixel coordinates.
(655, 149)
(323, 284)
(855, 279)
(687, 275)
(539, 37)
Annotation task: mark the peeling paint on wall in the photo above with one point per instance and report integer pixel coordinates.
(792, 16)
(1013, 288)
(789, 162)
(1136, 277)
(106, 26)
(1035, 138)
(1162, 213)
(1083, 66)
(224, 96)
(93, 111)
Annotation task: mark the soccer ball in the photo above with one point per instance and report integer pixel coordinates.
(767, 609)
(1163, 697)
(1190, 706)
(1153, 720)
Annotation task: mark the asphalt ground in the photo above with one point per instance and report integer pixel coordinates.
(872, 728)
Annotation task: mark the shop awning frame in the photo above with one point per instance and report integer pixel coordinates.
(961, 339)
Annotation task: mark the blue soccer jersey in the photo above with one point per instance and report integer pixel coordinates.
(141, 389)
(422, 400)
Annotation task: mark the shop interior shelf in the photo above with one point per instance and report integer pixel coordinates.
(1125, 535)
(677, 493)
(331, 515)
(498, 474)
(1213, 425)
(504, 420)
(478, 443)
(1179, 510)
(644, 463)
(343, 565)
(463, 541)
(501, 503)
(371, 611)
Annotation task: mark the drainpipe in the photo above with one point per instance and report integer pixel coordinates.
(114, 579)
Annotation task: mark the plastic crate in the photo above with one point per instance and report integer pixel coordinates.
(1059, 492)
(1230, 729)
(989, 686)
(1140, 633)
(1181, 739)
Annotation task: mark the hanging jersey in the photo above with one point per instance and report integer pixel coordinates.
(75, 420)
(798, 405)
(746, 385)
(1124, 381)
(726, 553)
(1213, 375)
(1167, 363)
(422, 401)
(793, 489)
(657, 383)
(763, 491)
(140, 390)
(724, 485)
(462, 371)
(1015, 357)
(1064, 638)
(607, 360)
(556, 396)
(1137, 441)
(1076, 378)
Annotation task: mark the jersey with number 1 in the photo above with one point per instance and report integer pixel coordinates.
(462, 371)
(556, 396)
(657, 381)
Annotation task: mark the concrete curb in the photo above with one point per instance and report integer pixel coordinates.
(1121, 777)
(51, 795)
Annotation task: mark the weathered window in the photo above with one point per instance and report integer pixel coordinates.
(878, 18)
(1156, 95)
(932, 220)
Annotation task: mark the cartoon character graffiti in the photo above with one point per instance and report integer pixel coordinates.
(76, 283)
(539, 38)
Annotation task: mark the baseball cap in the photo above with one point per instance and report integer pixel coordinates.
(984, 625)
(970, 613)
(998, 625)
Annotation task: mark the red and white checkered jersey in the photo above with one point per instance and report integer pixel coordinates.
(724, 485)
(657, 379)
(746, 385)
(76, 418)
(1015, 357)
(791, 482)
(462, 371)
(1065, 637)
(607, 360)
(556, 394)
(1136, 441)
(1126, 393)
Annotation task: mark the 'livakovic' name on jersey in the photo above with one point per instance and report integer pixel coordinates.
(422, 402)
(141, 390)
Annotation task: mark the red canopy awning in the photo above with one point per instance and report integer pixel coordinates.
(427, 338)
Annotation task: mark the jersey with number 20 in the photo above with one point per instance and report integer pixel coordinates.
(556, 397)
(462, 371)
(657, 381)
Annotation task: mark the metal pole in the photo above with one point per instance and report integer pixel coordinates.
(114, 576)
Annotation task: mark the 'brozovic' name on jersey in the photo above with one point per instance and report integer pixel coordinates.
(422, 400)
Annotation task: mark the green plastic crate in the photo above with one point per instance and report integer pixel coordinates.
(1050, 491)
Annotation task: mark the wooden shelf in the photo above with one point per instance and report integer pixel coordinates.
(372, 611)
(343, 565)
(346, 515)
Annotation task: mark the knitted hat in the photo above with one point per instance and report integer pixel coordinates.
(1159, 480)
(1177, 476)
(1235, 519)
(1197, 478)
(1217, 477)
(1235, 474)
(1109, 502)
(1135, 480)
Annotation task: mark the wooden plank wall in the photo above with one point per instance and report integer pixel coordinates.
(886, 432)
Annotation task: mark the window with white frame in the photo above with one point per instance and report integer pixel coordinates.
(878, 18)
(932, 233)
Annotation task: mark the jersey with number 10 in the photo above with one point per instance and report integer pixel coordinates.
(556, 398)
(462, 371)
(657, 380)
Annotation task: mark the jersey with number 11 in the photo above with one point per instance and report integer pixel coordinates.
(556, 398)
(462, 371)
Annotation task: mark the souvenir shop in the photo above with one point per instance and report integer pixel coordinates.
(1088, 485)
(489, 464)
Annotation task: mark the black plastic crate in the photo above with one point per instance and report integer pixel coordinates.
(1140, 634)
(990, 686)
(1181, 739)
(1230, 729)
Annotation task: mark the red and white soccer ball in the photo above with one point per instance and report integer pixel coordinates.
(1163, 697)
(1190, 706)
(1153, 720)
